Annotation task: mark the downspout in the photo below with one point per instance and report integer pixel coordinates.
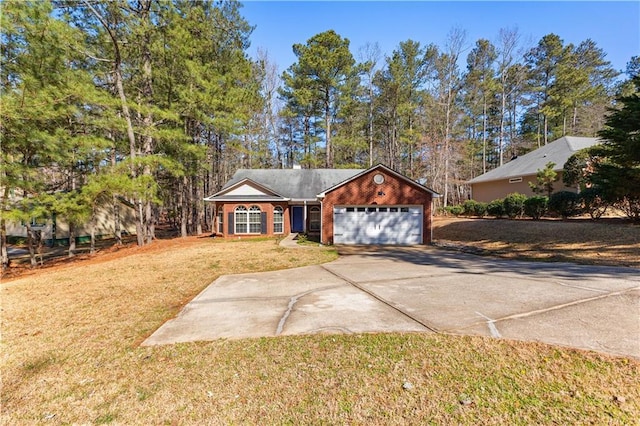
(304, 217)
(431, 222)
(321, 219)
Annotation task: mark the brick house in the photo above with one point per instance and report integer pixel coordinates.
(338, 206)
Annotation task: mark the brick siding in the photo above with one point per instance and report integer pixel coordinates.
(364, 191)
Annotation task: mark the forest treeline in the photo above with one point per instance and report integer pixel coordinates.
(157, 103)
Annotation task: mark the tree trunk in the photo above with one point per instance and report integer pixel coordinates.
(370, 123)
(117, 225)
(147, 122)
(4, 253)
(72, 239)
(501, 136)
(183, 208)
(546, 128)
(484, 134)
(327, 121)
(92, 248)
(3, 244)
(199, 204)
(31, 245)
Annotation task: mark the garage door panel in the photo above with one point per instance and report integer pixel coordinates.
(378, 225)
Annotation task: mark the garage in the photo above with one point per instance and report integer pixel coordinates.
(393, 224)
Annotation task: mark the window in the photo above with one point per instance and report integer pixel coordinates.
(371, 209)
(278, 220)
(248, 221)
(255, 222)
(314, 219)
(241, 220)
(515, 180)
(350, 209)
(404, 209)
(36, 222)
(393, 209)
(361, 209)
(220, 220)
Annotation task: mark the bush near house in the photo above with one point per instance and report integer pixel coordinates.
(456, 210)
(565, 204)
(514, 205)
(474, 208)
(496, 208)
(593, 202)
(535, 207)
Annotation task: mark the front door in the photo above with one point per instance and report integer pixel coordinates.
(297, 219)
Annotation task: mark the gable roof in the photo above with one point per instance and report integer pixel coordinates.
(295, 184)
(386, 169)
(246, 190)
(557, 152)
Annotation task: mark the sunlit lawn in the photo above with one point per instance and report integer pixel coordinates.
(71, 355)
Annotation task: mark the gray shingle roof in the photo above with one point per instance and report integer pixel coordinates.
(557, 152)
(297, 184)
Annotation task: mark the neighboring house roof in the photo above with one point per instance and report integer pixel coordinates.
(293, 184)
(557, 152)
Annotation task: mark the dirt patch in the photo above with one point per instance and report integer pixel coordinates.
(57, 258)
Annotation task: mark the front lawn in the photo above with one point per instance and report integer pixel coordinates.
(71, 354)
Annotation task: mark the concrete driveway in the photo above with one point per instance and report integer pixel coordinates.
(422, 289)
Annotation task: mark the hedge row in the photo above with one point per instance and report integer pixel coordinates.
(516, 205)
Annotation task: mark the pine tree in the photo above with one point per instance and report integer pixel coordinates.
(545, 178)
(617, 171)
(325, 65)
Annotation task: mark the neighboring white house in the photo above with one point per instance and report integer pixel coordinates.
(515, 175)
(55, 230)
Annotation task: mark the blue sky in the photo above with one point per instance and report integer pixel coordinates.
(613, 25)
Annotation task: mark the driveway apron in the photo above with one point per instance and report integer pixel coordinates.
(422, 289)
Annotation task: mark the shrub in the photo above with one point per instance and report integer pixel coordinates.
(514, 205)
(455, 210)
(565, 203)
(593, 202)
(535, 207)
(469, 207)
(496, 208)
(480, 209)
(630, 206)
(474, 208)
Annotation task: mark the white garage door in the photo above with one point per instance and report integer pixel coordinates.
(401, 225)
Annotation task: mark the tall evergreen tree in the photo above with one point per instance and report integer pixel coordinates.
(324, 67)
(52, 114)
(402, 86)
(617, 170)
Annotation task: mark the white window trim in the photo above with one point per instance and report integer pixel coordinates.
(245, 214)
(252, 213)
(313, 210)
(220, 220)
(280, 222)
